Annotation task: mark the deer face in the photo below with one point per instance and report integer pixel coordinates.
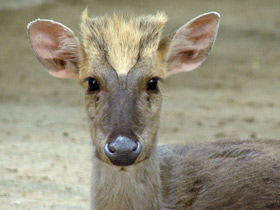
(120, 63)
(123, 115)
(121, 81)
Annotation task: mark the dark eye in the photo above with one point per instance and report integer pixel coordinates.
(93, 85)
(152, 84)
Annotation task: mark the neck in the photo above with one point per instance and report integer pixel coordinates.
(136, 187)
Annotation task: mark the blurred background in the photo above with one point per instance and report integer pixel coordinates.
(45, 148)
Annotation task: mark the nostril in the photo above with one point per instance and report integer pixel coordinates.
(137, 149)
(111, 148)
(134, 148)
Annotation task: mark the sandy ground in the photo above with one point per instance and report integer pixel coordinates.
(45, 148)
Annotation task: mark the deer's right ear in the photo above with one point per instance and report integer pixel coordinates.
(55, 46)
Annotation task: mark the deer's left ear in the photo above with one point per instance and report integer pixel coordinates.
(191, 44)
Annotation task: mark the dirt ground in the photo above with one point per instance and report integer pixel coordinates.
(45, 149)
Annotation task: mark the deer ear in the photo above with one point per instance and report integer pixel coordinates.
(191, 43)
(55, 46)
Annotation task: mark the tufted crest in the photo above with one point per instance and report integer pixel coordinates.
(121, 40)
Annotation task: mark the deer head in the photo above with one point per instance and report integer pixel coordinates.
(120, 61)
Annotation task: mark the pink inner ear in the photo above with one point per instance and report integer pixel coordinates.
(192, 43)
(44, 44)
(55, 46)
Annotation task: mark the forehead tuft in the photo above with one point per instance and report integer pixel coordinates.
(121, 39)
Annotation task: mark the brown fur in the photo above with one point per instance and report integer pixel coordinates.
(224, 175)
(123, 54)
(221, 175)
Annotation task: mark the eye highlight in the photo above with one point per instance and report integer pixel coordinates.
(92, 84)
(152, 84)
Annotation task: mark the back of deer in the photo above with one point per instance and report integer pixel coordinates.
(221, 175)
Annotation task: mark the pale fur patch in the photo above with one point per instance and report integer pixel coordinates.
(121, 40)
(138, 187)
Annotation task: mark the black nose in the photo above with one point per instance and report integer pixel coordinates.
(123, 151)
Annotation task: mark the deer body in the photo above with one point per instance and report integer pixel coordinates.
(120, 63)
(220, 175)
